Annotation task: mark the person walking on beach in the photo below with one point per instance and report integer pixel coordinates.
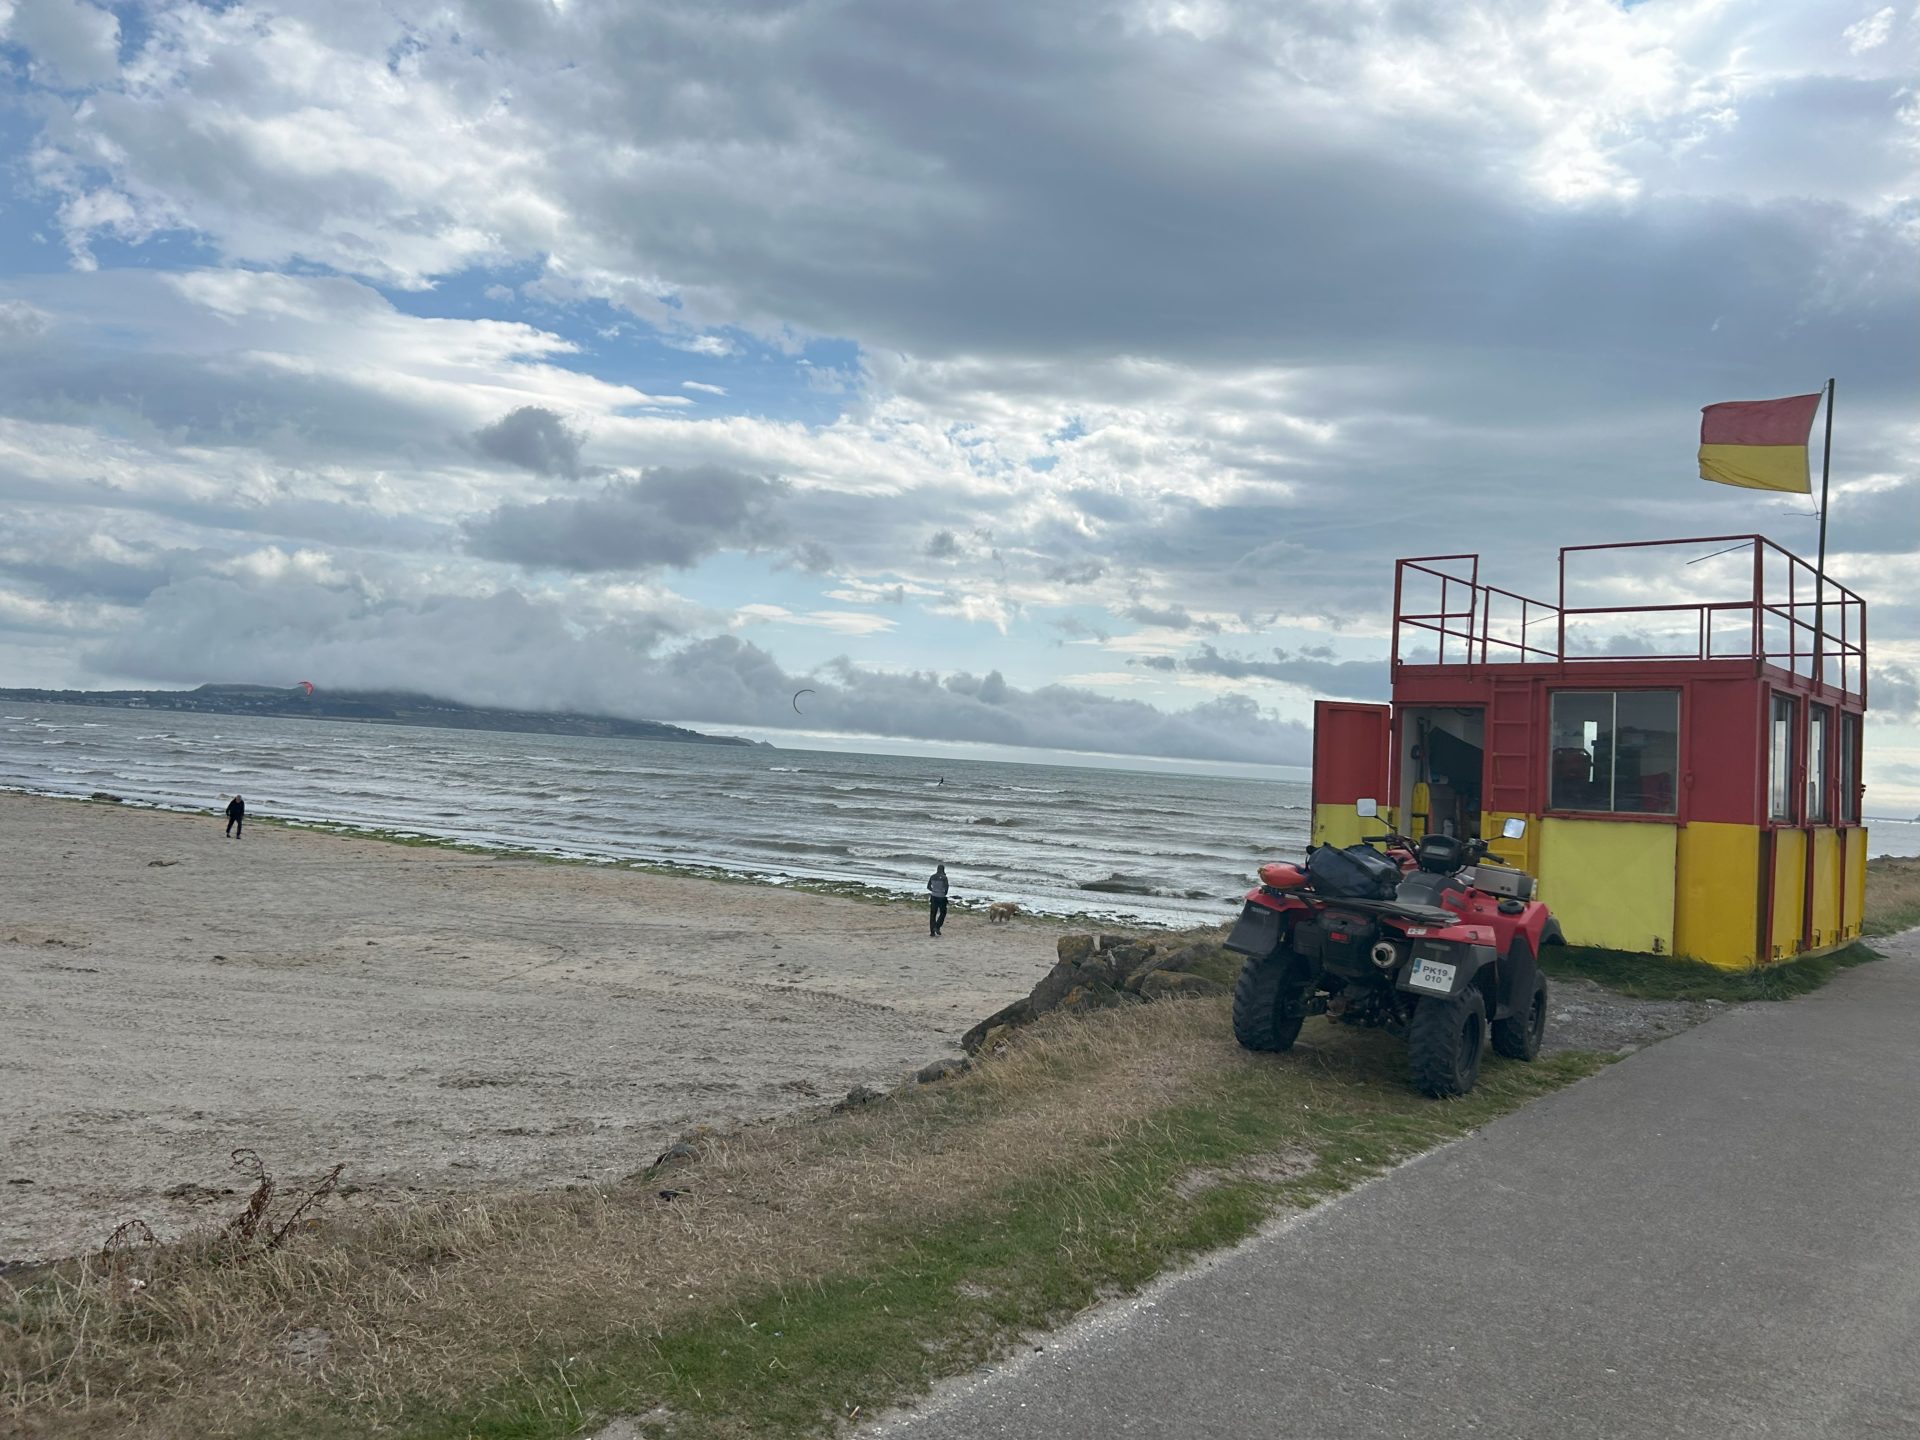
(236, 817)
(936, 899)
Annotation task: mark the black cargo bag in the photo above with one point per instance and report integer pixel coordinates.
(1358, 872)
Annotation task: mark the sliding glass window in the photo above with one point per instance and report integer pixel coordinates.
(1780, 736)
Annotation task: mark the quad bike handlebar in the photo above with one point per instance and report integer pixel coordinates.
(1471, 852)
(1391, 840)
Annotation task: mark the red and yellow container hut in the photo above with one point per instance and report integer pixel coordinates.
(1689, 769)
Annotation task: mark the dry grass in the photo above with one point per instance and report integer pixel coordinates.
(168, 1340)
(905, 1240)
(1893, 895)
(1090, 1154)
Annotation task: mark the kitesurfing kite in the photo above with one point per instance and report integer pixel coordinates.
(307, 685)
(796, 701)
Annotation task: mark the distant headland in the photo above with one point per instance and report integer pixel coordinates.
(378, 707)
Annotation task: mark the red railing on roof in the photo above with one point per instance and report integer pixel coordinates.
(1784, 618)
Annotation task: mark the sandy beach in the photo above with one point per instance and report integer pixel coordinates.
(439, 1021)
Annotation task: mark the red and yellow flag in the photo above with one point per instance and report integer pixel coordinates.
(1760, 444)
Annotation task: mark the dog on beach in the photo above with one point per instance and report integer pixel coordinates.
(1001, 910)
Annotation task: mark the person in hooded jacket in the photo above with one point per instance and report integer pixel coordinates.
(936, 899)
(236, 817)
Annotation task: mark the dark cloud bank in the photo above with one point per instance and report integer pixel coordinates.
(508, 649)
(665, 518)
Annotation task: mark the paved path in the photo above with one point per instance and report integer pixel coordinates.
(1717, 1237)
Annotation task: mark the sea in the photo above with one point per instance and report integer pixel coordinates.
(1159, 848)
(1127, 845)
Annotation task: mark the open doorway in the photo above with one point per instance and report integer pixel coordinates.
(1442, 769)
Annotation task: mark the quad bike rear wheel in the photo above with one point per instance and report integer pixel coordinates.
(1518, 1036)
(1444, 1043)
(1264, 1017)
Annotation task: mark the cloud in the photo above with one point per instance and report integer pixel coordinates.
(533, 438)
(1075, 572)
(77, 42)
(1320, 286)
(21, 324)
(811, 556)
(1894, 691)
(666, 518)
(1171, 617)
(1348, 679)
(1870, 33)
(703, 387)
(843, 622)
(508, 648)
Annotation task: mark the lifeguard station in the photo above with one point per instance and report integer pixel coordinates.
(1689, 768)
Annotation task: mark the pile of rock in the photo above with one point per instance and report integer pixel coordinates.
(1096, 972)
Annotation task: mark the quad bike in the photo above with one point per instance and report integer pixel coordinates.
(1428, 941)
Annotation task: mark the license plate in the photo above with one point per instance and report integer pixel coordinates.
(1431, 975)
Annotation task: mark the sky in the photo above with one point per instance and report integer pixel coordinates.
(1058, 375)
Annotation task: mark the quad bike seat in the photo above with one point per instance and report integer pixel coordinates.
(1401, 909)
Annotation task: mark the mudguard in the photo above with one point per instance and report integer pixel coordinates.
(1467, 961)
(1263, 920)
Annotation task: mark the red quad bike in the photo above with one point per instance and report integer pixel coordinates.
(1429, 941)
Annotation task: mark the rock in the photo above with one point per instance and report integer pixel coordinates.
(1074, 949)
(151, 864)
(1165, 984)
(1055, 985)
(942, 1070)
(308, 1346)
(1126, 959)
(1191, 957)
(105, 795)
(1018, 1013)
(1083, 999)
(859, 1096)
(678, 1153)
(1111, 942)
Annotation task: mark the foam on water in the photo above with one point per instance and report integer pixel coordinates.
(1167, 848)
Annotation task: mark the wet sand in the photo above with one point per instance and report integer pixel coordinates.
(439, 1021)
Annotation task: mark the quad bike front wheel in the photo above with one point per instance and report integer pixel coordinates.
(1518, 1037)
(1444, 1043)
(1263, 1017)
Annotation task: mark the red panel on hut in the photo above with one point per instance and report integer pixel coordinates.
(1725, 772)
(1350, 752)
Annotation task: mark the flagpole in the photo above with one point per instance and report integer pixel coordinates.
(1820, 568)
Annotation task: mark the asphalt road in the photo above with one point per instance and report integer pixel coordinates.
(1719, 1236)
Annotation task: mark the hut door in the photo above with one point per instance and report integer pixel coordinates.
(1350, 745)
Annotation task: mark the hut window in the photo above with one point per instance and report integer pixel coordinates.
(1849, 768)
(1615, 751)
(1819, 717)
(1780, 759)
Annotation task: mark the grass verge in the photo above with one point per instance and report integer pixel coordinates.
(793, 1275)
(1892, 905)
(1893, 895)
(1663, 977)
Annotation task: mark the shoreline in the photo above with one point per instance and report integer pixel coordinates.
(856, 890)
(444, 1020)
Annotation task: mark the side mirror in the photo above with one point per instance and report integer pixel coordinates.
(1513, 829)
(1366, 809)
